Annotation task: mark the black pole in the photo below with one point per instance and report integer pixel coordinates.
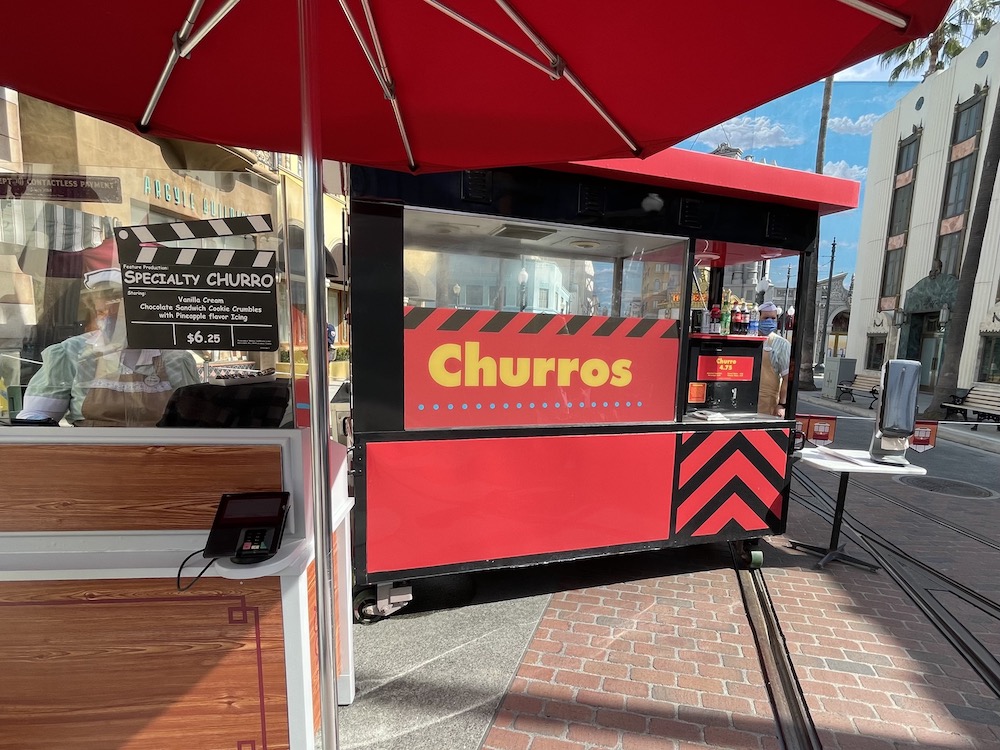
(826, 310)
(784, 312)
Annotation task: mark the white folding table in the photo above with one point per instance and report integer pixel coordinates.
(845, 463)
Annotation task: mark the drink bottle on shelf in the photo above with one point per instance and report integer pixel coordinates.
(726, 314)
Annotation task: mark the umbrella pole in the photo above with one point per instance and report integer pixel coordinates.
(319, 398)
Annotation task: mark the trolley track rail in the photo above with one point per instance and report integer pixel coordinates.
(795, 727)
(923, 588)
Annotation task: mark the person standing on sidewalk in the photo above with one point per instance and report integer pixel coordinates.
(775, 365)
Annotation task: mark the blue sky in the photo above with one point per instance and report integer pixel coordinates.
(786, 131)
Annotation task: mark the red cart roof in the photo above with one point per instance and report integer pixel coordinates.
(737, 178)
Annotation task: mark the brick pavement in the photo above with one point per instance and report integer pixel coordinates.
(670, 662)
(658, 663)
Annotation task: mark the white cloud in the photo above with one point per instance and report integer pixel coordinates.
(750, 133)
(843, 169)
(845, 125)
(871, 70)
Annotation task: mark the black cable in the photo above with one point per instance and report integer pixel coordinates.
(195, 580)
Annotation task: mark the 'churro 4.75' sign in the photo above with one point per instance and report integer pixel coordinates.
(480, 368)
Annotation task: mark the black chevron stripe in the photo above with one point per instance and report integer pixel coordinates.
(574, 324)
(735, 486)
(457, 320)
(739, 443)
(537, 323)
(641, 328)
(415, 317)
(498, 322)
(609, 326)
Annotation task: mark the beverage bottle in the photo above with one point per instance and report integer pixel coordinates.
(715, 324)
(727, 313)
(741, 319)
(754, 321)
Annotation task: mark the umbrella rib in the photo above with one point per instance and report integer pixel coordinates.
(380, 68)
(182, 47)
(552, 69)
(556, 68)
(893, 19)
(571, 77)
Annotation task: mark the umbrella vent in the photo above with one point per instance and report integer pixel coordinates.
(477, 186)
(777, 226)
(591, 200)
(522, 232)
(693, 214)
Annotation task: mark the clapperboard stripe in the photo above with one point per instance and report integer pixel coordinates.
(188, 230)
(725, 479)
(493, 321)
(205, 257)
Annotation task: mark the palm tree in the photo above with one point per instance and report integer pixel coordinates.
(966, 20)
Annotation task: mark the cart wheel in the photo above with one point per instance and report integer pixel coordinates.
(366, 607)
(750, 555)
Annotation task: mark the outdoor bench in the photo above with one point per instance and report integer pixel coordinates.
(863, 384)
(982, 399)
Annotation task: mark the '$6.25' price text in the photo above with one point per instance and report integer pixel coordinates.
(204, 338)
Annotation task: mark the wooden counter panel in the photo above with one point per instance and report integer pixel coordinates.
(127, 487)
(92, 665)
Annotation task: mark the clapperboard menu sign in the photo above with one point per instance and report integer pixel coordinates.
(194, 298)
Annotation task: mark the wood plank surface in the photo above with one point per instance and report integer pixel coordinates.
(127, 487)
(96, 665)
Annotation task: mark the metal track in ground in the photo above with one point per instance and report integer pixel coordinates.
(796, 730)
(924, 594)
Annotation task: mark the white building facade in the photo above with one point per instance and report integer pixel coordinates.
(923, 175)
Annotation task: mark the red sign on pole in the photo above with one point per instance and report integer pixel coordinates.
(481, 368)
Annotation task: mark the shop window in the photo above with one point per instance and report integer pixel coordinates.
(893, 273)
(989, 362)
(543, 299)
(474, 295)
(875, 354)
(958, 188)
(968, 118)
(902, 202)
(949, 252)
(907, 156)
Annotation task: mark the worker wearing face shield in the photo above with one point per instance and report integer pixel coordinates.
(775, 366)
(94, 379)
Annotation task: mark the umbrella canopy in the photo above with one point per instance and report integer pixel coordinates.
(429, 85)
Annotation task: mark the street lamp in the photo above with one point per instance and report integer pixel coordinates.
(829, 299)
(522, 281)
(790, 317)
(457, 291)
(943, 317)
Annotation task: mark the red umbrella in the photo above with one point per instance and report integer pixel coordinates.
(426, 85)
(459, 83)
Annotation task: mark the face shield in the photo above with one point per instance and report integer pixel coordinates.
(103, 299)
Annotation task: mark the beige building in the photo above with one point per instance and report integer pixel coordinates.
(923, 175)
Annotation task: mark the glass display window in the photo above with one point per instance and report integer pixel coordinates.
(515, 323)
(93, 336)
